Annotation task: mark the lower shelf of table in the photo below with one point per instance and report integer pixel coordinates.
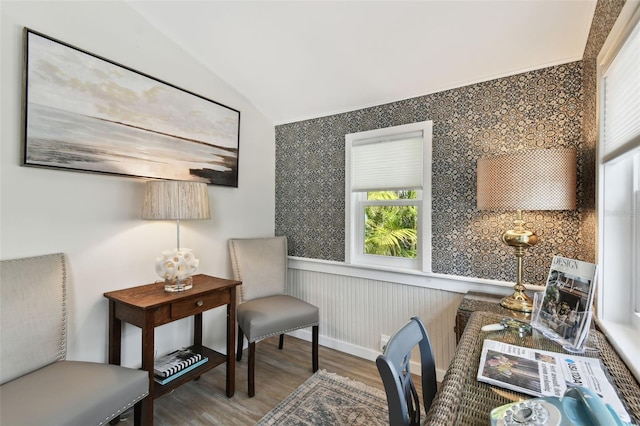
(215, 359)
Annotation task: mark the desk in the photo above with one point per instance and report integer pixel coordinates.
(462, 400)
(149, 306)
(474, 302)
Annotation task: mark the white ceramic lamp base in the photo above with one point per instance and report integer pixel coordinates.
(177, 267)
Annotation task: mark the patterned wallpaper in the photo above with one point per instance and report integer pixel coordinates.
(604, 17)
(538, 109)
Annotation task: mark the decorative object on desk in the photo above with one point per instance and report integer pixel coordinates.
(176, 200)
(329, 399)
(543, 179)
(523, 328)
(100, 116)
(544, 373)
(563, 312)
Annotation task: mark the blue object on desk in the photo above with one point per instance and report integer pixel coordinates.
(578, 406)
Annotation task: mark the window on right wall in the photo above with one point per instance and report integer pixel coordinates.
(619, 186)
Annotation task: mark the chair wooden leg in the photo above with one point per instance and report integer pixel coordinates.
(281, 344)
(252, 369)
(240, 342)
(137, 413)
(314, 349)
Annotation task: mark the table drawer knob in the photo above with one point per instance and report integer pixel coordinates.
(199, 303)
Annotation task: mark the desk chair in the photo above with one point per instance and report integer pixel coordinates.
(393, 365)
(264, 310)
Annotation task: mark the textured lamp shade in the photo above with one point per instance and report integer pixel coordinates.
(176, 200)
(543, 179)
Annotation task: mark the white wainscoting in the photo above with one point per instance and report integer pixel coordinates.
(354, 312)
(358, 304)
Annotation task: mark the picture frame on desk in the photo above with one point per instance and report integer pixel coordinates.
(563, 311)
(82, 112)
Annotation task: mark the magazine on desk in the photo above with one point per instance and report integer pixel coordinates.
(564, 313)
(544, 373)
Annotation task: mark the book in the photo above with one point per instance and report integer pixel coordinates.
(174, 362)
(164, 381)
(564, 313)
(543, 373)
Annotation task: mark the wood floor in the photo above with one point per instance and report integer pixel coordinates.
(278, 373)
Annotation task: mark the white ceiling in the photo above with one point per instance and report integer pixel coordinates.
(296, 60)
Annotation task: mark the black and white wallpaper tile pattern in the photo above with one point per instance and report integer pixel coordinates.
(538, 109)
(605, 16)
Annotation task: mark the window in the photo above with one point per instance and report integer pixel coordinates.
(388, 197)
(619, 186)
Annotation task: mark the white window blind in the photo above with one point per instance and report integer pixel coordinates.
(387, 164)
(622, 100)
(619, 157)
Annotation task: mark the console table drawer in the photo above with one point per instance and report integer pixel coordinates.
(198, 304)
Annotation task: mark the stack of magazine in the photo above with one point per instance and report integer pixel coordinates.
(563, 312)
(175, 364)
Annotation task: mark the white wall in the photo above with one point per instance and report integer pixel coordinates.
(96, 219)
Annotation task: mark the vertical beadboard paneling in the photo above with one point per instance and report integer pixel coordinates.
(357, 311)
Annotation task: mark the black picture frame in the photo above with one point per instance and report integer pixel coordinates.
(83, 112)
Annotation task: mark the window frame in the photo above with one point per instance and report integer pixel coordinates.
(618, 302)
(355, 202)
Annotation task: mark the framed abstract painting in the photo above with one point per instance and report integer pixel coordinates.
(85, 113)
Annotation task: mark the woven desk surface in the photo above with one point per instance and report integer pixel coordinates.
(462, 400)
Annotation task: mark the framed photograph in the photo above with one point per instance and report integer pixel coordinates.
(85, 113)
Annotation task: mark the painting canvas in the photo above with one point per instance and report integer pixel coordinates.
(85, 113)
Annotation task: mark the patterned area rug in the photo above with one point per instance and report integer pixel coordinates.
(329, 399)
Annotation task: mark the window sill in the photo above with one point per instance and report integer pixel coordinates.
(626, 341)
(452, 283)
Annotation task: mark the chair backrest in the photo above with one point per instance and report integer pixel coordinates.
(261, 265)
(394, 368)
(33, 314)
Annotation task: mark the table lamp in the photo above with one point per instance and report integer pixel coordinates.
(542, 179)
(176, 200)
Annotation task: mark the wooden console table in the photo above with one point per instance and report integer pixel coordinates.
(149, 306)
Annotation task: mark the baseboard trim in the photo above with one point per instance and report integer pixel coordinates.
(359, 351)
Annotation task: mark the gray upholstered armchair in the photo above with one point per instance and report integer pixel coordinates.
(38, 386)
(264, 309)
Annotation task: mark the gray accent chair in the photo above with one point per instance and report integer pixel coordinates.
(393, 365)
(264, 309)
(38, 386)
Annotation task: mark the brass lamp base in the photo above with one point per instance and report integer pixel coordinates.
(520, 239)
(518, 301)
